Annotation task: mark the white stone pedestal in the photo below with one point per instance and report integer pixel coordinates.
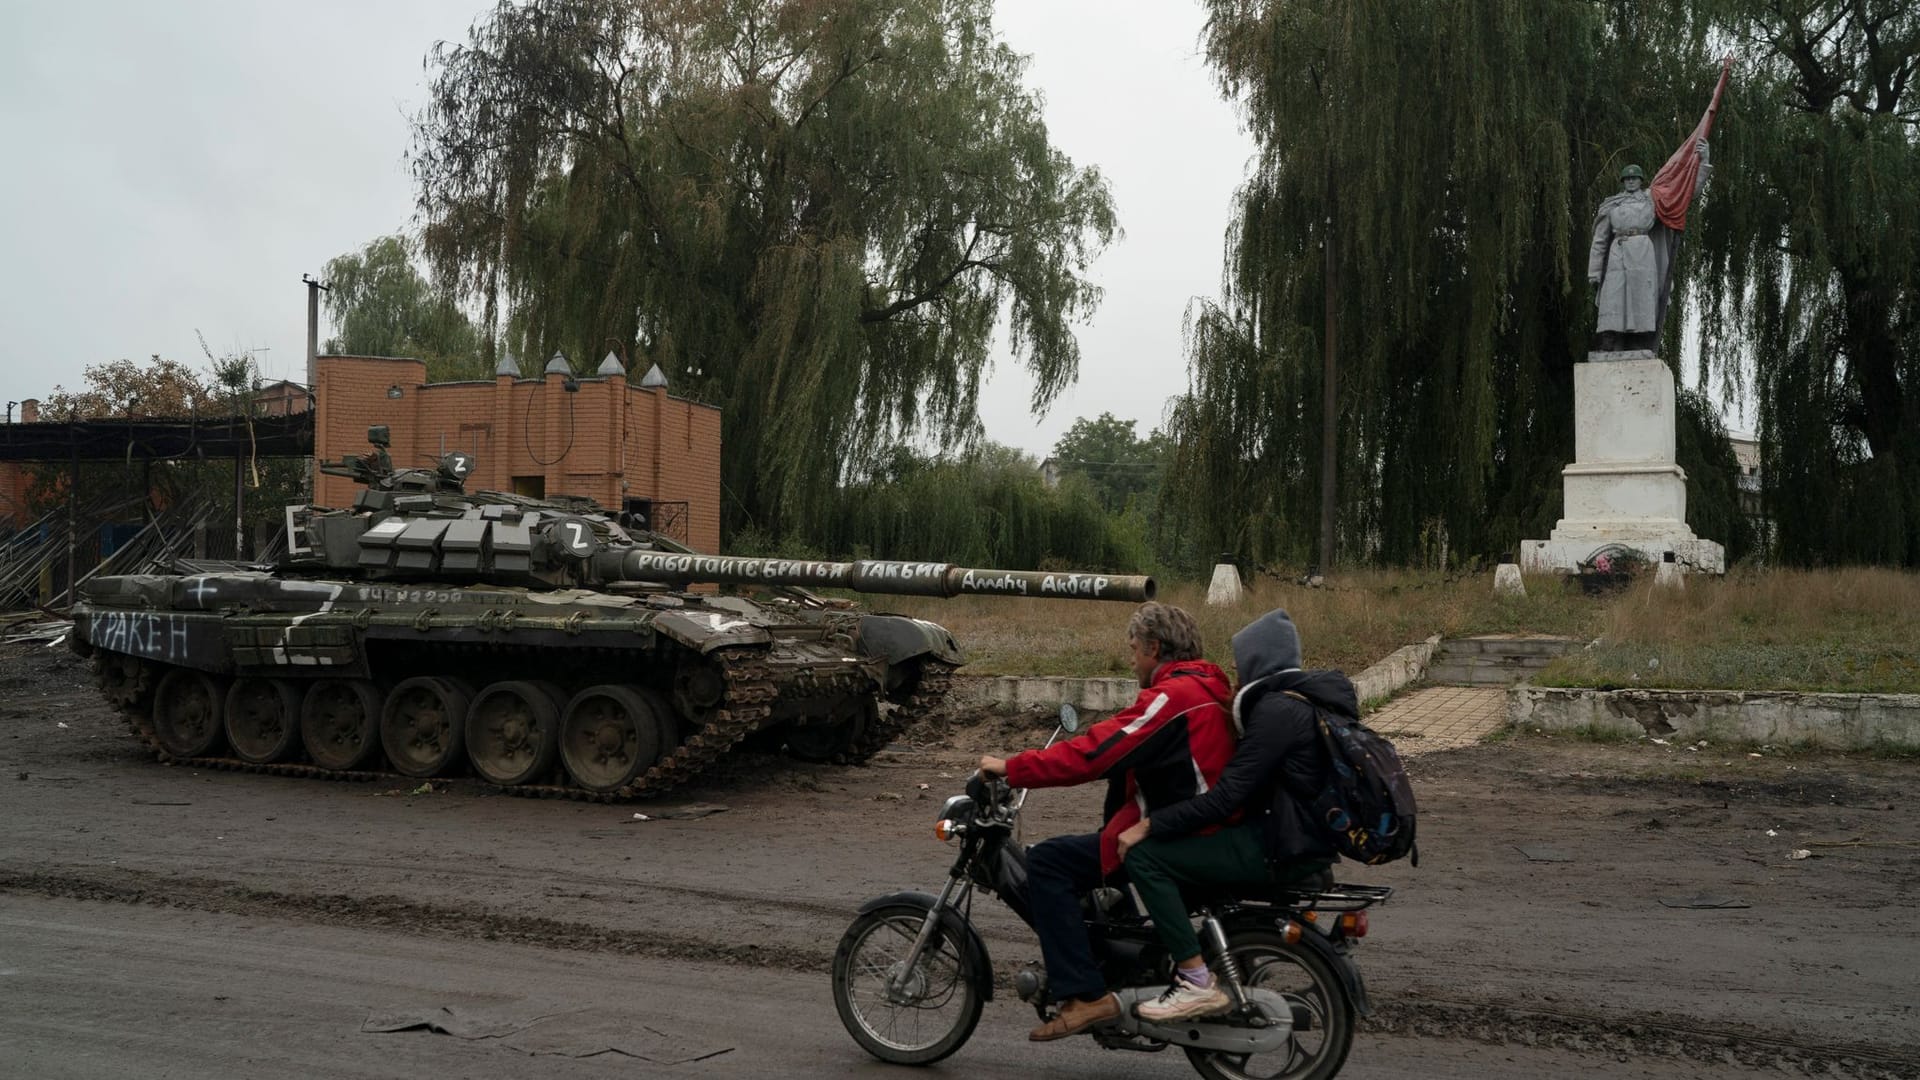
(1623, 491)
(1507, 582)
(1225, 589)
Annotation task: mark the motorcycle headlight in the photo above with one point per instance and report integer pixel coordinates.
(957, 808)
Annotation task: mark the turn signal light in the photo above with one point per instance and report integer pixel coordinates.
(1354, 924)
(1291, 933)
(943, 830)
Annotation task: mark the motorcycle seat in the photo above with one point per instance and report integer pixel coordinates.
(1295, 892)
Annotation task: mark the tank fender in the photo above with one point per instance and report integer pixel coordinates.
(182, 639)
(705, 631)
(897, 639)
(956, 927)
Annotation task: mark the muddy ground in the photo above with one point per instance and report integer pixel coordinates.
(1635, 901)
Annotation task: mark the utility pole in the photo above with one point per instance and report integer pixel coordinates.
(1329, 387)
(239, 503)
(314, 289)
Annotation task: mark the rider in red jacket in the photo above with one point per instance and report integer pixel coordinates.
(1168, 746)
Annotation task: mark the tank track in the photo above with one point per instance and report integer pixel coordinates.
(747, 704)
(935, 680)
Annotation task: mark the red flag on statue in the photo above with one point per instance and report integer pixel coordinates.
(1673, 186)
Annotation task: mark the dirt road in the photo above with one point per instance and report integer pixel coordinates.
(1534, 927)
(92, 990)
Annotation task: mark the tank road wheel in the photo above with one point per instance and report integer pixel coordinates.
(513, 731)
(834, 735)
(423, 725)
(186, 713)
(263, 719)
(339, 722)
(698, 687)
(611, 734)
(124, 680)
(673, 730)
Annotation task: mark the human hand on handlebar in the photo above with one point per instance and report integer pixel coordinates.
(1135, 833)
(992, 766)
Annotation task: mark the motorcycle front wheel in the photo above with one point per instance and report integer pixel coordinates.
(1323, 1013)
(905, 1017)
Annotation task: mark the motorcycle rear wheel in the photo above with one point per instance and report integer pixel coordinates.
(1317, 1050)
(942, 1002)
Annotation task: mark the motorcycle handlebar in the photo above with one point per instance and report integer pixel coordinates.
(993, 792)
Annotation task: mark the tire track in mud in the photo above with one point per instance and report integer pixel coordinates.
(578, 886)
(1500, 1024)
(393, 913)
(1410, 1015)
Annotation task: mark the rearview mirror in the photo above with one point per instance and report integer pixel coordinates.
(1069, 719)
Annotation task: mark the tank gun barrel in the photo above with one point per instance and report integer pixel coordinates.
(872, 576)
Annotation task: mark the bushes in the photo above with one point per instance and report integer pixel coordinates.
(989, 508)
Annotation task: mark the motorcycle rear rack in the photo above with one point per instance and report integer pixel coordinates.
(1340, 897)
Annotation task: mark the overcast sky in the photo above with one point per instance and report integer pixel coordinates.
(176, 167)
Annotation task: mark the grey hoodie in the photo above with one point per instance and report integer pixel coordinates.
(1266, 646)
(1267, 654)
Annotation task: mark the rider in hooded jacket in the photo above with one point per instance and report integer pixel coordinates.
(1278, 767)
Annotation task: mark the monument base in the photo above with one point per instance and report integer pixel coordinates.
(1624, 494)
(1572, 556)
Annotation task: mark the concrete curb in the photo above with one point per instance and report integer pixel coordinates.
(1050, 691)
(1404, 665)
(1832, 721)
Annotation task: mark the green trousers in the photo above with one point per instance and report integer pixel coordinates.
(1235, 855)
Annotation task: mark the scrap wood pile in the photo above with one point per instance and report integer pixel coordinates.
(32, 627)
(38, 552)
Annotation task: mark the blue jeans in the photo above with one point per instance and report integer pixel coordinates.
(1059, 872)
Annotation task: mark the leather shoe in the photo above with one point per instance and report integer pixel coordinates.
(1076, 1016)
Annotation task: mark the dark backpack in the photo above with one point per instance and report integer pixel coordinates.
(1367, 804)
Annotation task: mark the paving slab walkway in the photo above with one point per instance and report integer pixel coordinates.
(1441, 718)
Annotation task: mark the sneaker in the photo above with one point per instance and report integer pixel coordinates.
(1185, 1001)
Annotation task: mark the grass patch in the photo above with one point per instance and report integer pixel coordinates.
(1854, 630)
(1349, 625)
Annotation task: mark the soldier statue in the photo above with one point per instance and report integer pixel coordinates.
(1631, 261)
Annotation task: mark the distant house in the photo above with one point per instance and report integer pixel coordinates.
(1050, 473)
(281, 398)
(1746, 451)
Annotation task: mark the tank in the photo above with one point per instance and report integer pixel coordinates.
(538, 645)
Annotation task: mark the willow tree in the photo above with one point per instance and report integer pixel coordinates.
(1451, 152)
(1811, 252)
(381, 305)
(813, 213)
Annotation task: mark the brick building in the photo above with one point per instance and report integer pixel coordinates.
(14, 511)
(627, 447)
(281, 398)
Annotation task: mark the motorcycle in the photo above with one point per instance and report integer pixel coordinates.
(911, 975)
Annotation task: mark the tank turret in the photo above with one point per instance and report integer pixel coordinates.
(538, 644)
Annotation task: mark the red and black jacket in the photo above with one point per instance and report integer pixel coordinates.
(1165, 748)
